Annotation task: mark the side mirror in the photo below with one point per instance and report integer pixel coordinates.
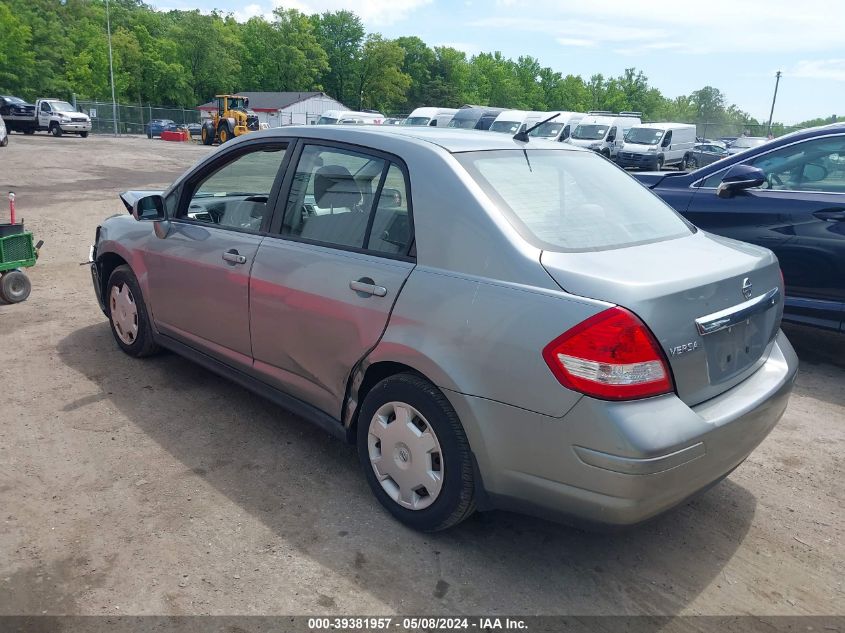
(148, 208)
(390, 198)
(739, 178)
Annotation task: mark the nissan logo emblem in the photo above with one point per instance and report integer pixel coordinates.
(746, 288)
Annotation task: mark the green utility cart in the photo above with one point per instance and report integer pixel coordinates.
(17, 250)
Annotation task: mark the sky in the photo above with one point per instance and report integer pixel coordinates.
(734, 45)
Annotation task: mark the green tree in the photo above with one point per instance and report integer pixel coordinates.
(341, 35)
(381, 84)
(17, 61)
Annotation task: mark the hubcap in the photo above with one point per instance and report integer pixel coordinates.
(124, 313)
(405, 455)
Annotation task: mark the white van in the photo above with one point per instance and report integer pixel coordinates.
(350, 117)
(658, 145)
(559, 128)
(433, 117)
(513, 121)
(603, 132)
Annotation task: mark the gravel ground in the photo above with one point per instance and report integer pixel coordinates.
(155, 487)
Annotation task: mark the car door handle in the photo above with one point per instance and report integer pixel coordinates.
(831, 215)
(232, 256)
(365, 285)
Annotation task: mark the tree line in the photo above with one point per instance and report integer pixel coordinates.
(183, 58)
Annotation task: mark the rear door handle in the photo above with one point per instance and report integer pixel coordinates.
(831, 215)
(232, 256)
(367, 286)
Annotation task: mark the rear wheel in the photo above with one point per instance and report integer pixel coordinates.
(207, 135)
(14, 286)
(415, 454)
(128, 316)
(55, 130)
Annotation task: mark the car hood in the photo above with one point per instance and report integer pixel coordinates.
(72, 114)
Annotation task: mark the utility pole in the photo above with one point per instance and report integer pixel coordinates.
(774, 97)
(111, 71)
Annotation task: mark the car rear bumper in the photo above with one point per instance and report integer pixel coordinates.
(620, 463)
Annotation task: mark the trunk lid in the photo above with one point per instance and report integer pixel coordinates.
(693, 293)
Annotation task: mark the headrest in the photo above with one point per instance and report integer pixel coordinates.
(335, 187)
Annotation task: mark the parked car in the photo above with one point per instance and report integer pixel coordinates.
(4, 135)
(156, 126)
(350, 117)
(706, 153)
(657, 145)
(559, 128)
(552, 338)
(474, 117)
(787, 195)
(604, 132)
(48, 115)
(13, 109)
(435, 117)
(746, 142)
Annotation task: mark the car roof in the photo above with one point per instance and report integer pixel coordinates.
(451, 139)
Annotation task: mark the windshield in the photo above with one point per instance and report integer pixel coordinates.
(417, 120)
(547, 130)
(643, 136)
(61, 106)
(563, 200)
(590, 132)
(466, 124)
(326, 120)
(509, 127)
(747, 142)
(14, 100)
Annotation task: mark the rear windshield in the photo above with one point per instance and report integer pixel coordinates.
(572, 201)
(467, 124)
(326, 120)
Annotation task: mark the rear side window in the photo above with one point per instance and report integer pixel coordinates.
(572, 201)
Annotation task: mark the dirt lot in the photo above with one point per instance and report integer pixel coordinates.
(154, 487)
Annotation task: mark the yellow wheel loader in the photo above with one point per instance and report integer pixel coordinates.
(232, 118)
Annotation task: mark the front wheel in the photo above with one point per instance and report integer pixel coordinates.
(83, 134)
(223, 133)
(128, 316)
(55, 129)
(14, 286)
(415, 454)
(692, 163)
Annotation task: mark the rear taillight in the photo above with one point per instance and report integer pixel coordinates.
(612, 356)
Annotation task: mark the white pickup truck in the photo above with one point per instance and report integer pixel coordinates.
(50, 115)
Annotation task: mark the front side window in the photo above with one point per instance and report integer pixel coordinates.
(418, 121)
(235, 195)
(570, 201)
(812, 165)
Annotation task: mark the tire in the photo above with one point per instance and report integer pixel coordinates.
(692, 163)
(14, 286)
(83, 134)
(55, 129)
(207, 135)
(659, 163)
(606, 153)
(439, 442)
(5, 141)
(224, 133)
(137, 341)
(29, 131)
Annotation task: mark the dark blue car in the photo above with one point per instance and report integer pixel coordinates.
(787, 195)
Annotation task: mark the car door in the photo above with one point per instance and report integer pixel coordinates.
(799, 213)
(324, 283)
(45, 113)
(199, 266)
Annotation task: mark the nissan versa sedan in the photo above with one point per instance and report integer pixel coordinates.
(492, 323)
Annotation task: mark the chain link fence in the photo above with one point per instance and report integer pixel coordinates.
(132, 119)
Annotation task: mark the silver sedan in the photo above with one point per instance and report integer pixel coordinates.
(493, 323)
